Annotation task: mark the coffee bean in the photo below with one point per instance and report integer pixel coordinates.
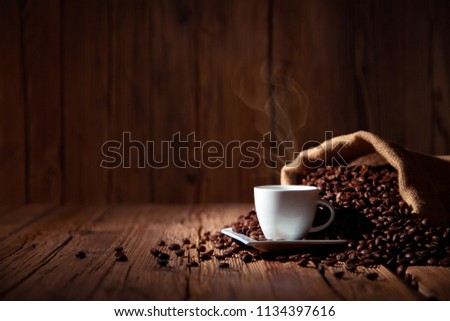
(174, 247)
(329, 262)
(179, 252)
(224, 265)
(228, 252)
(282, 258)
(162, 262)
(121, 257)
(303, 262)
(444, 262)
(192, 264)
(220, 257)
(163, 256)
(341, 257)
(294, 257)
(338, 274)
(350, 267)
(161, 243)
(372, 276)
(321, 268)
(201, 248)
(414, 283)
(219, 246)
(247, 258)
(368, 262)
(155, 252)
(205, 257)
(118, 249)
(186, 241)
(432, 261)
(80, 255)
(401, 270)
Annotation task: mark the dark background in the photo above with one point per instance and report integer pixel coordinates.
(74, 74)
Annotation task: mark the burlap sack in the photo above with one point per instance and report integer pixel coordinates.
(424, 180)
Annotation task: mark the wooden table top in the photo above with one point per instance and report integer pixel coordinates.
(38, 244)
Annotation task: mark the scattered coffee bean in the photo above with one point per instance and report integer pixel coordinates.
(80, 255)
(338, 274)
(282, 258)
(163, 256)
(205, 257)
(201, 248)
(174, 247)
(162, 262)
(294, 257)
(401, 270)
(186, 241)
(220, 257)
(161, 243)
(228, 252)
(329, 262)
(321, 268)
(179, 252)
(118, 249)
(224, 265)
(372, 276)
(155, 252)
(192, 264)
(247, 258)
(303, 262)
(350, 267)
(444, 262)
(121, 257)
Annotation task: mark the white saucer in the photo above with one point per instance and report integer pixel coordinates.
(281, 245)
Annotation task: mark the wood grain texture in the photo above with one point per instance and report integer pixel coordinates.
(75, 74)
(260, 280)
(130, 110)
(42, 68)
(39, 245)
(45, 249)
(173, 91)
(13, 146)
(356, 285)
(13, 220)
(313, 45)
(232, 44)
(433, 283)
(440, 76)
(85, 100)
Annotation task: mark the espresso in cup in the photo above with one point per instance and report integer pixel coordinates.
(286, 212)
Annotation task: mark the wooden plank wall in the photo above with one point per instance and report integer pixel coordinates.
(74, 74)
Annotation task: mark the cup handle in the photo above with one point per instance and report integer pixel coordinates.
(330, 220)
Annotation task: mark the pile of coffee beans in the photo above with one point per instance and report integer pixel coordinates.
(370, 213)
(379, 224)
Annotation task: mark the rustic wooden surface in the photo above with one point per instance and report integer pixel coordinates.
(74, 74)
(39, 243)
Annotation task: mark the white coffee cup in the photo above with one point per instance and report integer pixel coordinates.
(286, 212)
